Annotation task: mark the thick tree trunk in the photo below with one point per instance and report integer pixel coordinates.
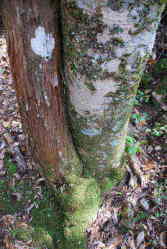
(107, 44)
(34, 52)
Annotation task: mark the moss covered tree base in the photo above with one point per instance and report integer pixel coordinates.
(81, 203)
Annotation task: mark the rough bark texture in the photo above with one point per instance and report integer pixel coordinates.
(106, 44)
(34, 52)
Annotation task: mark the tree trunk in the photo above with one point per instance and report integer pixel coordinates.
(106, 44)
(34, 53)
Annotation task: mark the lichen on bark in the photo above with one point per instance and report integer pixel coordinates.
(106, 46)
(105, 50)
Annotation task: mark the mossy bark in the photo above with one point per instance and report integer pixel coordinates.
(34, 52)
(81, 203)
(105, 52)
(106, 46)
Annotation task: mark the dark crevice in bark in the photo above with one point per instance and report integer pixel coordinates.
(65, 93)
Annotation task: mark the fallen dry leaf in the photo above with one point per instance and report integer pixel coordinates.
(17, 196)
(115, 242)
(151, 165)
(144, 203)
(140, 238)
(1, 164)
(131, 243)
(8, 220)
(8, 242)
(163, 239)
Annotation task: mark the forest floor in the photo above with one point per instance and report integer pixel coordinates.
(136, 214)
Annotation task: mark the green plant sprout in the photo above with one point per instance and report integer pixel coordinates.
(138, 117)
(11, 167)
(132, 146)
(158, 131)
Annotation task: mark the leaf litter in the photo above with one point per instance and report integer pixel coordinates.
(132, 215)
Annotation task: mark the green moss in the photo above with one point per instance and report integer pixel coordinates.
(39, 237)
(116, 29)
(81, 205)
(115, 4)
(114, 178)
(102, 151)
(48, 170)
(23, 234)
(65, 214)
(117, 41)
(90, 86)
(86, 64)
(89, 147)
(49, 215)
(42, 239)
(9, 165)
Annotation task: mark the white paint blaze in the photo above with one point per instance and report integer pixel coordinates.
(43, 43)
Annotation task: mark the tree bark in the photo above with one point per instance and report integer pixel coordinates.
(35, 58)
(106, 44)
(34, 53)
